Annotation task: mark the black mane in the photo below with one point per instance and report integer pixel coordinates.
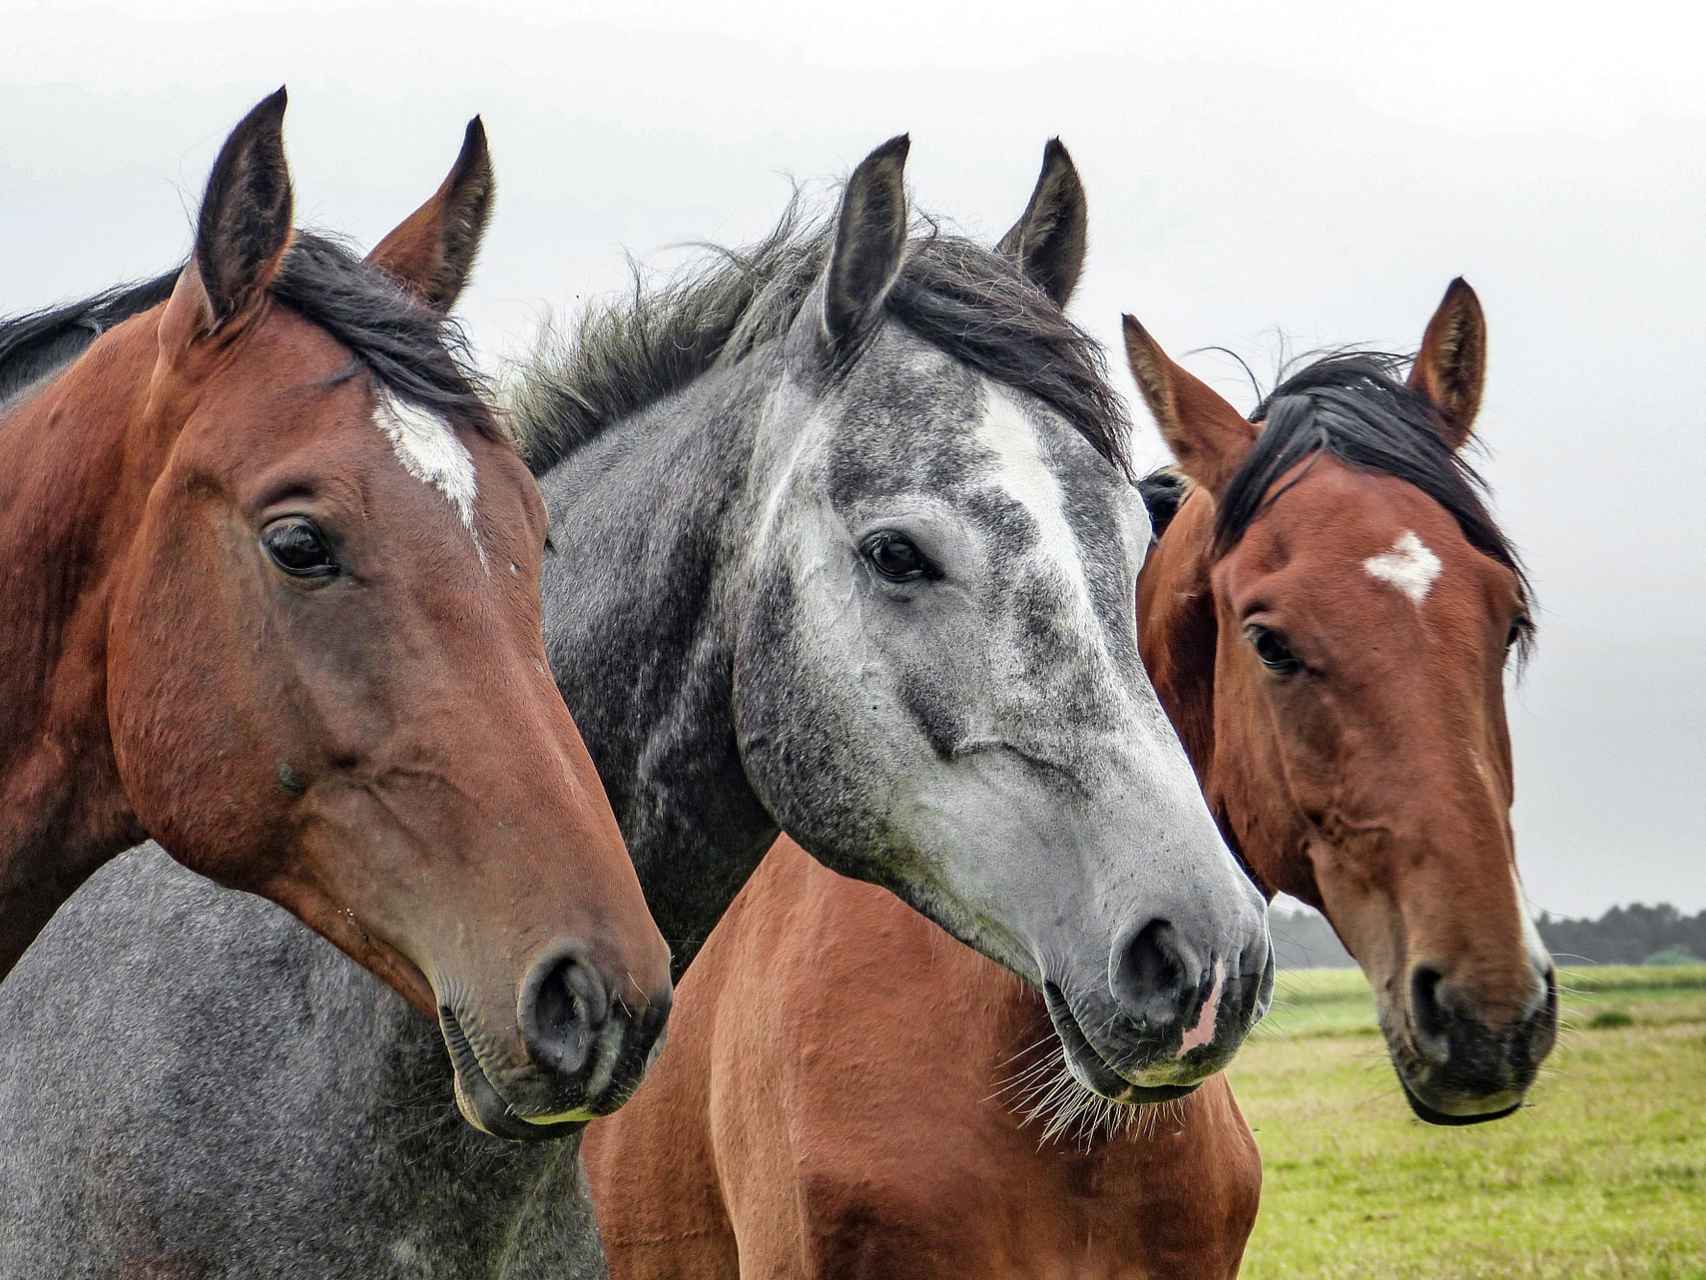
(960, 296)
(1353, 406)
(41, 342)
(411, 350)
(1163, 491)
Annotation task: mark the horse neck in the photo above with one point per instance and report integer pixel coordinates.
(73, 485)
(641, 636)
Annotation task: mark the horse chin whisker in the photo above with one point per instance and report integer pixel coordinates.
(1069, 1111)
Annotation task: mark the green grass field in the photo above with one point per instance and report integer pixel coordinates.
(1603, 1175)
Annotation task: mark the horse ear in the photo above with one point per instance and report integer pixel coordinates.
(243, 228)
(1049, 239)
(431, 252)
(870, 237)
(1452, 364)
(1208, 437)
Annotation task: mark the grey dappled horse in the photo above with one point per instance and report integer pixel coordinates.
(843, 543)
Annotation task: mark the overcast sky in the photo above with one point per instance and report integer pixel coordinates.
(1319, 170)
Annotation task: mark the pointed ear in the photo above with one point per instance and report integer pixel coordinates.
(1208, 437)
(1049, 239)
(243, 228)
(1452, 364)
(432, 251)
(870, 237)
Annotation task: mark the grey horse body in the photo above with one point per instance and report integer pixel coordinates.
(193, 1086)
(224, 1094)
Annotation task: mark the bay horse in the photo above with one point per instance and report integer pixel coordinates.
(1328, 617)
(272, 574)
(843, 543)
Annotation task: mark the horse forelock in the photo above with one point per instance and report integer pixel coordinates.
(1352, 406)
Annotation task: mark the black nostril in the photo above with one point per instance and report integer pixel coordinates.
(1153, 975)
(1432, 1023)
(563, 1007)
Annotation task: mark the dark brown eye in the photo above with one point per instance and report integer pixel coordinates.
(1272, 650)
(1519, 628)
(296, 545)
(895, 557)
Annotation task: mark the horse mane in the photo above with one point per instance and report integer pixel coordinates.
(1353, 406)
(40, 342)
(967, 300)
(411, 350)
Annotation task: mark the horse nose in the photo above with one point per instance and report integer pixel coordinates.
(563, 1008)
(1451, 1031)
(1155, 975)
(1428, 1014)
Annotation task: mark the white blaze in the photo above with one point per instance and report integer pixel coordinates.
(1409, 566)
(427, 447)
(1008, 433)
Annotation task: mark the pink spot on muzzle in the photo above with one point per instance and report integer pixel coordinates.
(1203, 1032)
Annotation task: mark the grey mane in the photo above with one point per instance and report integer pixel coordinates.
(961, 296)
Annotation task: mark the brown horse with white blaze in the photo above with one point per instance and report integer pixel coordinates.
(1363, 608)
(272, 577)
(839, 1098)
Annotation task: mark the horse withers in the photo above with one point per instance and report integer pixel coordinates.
(272, 587)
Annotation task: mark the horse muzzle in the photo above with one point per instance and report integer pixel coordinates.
(1457, 1066)
(583, 1052)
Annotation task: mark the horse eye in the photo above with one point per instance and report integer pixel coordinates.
(1519, 628)
(895, 557)
(1272, 650)
(297, 546)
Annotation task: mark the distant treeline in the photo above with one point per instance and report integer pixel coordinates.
(1636, 934)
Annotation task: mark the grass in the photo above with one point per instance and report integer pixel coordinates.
(1604, 1175)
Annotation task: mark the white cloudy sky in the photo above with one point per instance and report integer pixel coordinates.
(1314, 169)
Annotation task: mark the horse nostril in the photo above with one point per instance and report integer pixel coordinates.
(1153, 975)
(563, 1007)
(1431, 1022)
(1549, 995)
(1265, 984)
